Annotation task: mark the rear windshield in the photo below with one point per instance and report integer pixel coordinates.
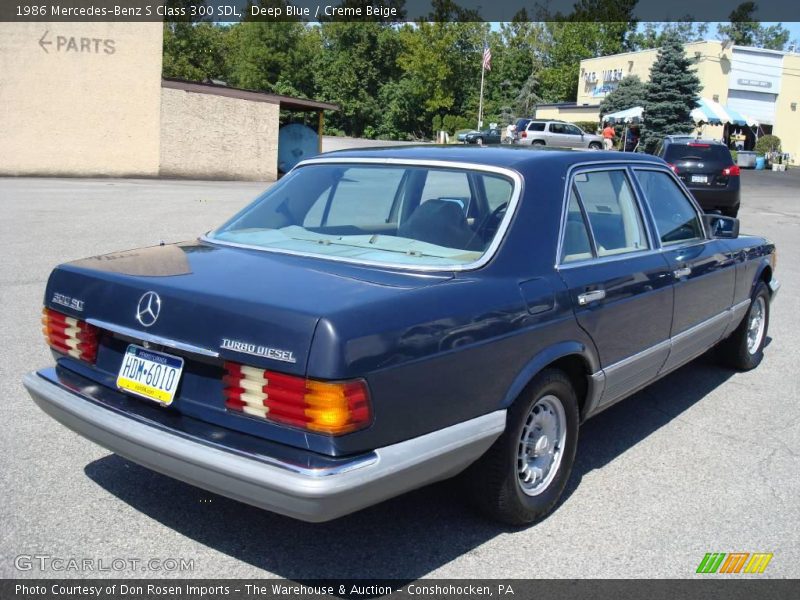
(713, 152)
(386, 214)
(521, 124)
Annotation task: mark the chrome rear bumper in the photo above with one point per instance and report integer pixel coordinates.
(311, 493)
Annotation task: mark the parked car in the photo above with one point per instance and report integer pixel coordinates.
(707, 168)
(382, 319)
(461, 135)
(557, 134)
(487, 136)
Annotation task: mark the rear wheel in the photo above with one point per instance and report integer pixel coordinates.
(521, 477)
(731, 212)
(479, 141)
(595, 146)
(538, 143)
(744, 349)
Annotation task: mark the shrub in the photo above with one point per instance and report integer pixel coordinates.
(768, 143)
(588, 126)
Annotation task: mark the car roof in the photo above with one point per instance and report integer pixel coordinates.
(514, 157)
(687, 141)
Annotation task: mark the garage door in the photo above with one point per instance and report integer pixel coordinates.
(758, 105)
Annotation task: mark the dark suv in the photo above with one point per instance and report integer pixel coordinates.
(707, 169)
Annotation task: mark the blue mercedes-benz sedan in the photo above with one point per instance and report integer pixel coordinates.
(382, 319)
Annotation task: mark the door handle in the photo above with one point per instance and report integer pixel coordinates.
(682, 272)
(593, 296)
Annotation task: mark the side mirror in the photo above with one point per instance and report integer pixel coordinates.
(721, 227)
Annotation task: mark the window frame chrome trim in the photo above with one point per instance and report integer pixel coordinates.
(517, 192)
(153, 339)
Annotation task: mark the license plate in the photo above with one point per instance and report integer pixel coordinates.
(699, 178)
(150, 374)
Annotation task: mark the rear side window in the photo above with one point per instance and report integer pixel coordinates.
(536, 127)
(708, 152)
(675, 217)
(613, 214)
(577, 245)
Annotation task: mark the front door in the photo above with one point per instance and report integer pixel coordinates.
(703, 268)
(621, 288)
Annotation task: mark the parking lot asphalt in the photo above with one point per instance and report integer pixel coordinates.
(706, 460)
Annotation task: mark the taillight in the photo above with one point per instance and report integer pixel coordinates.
(69, 335)
(524, 134)
(673, 167)
(321, 406)
(698, 145)
(732, 171)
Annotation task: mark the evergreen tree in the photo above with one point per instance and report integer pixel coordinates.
(629, 93)
(671, 94)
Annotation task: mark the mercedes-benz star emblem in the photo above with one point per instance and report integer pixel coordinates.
(148, 308)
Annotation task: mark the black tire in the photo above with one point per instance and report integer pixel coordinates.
(538, 143)
(735, 351)
(731, 212)
(479, 141)
(494, 480)
(595, 146)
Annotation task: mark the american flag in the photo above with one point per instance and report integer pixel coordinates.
(487, 57)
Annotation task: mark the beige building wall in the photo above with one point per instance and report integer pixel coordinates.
(787, 119)
(80, 98)
(570, 114)
(711, 62)
(209, 136)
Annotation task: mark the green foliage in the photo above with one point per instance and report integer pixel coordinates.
(670, 95)
(768, 143)
(653, 35)
(588, 126)
(630, 92)
(744, 31)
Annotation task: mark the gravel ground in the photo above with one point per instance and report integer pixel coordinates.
(704, 460)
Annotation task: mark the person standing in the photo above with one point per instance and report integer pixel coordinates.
(510, 133)
(608, 137)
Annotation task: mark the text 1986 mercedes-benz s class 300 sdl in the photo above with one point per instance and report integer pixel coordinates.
(382, 319)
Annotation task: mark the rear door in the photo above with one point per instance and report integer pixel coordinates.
(557, 135)
(702, 268)
(620, 285)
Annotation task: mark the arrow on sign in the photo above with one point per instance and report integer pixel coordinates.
(44, 43)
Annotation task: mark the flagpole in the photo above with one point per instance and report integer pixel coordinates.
(480, 102)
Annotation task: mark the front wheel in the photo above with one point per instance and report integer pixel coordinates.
(521, 477)
(744, 349)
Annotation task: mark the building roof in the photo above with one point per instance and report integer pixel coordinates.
(215, 89)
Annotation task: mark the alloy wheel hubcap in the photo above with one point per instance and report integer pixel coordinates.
(755, 329)
(541, 445)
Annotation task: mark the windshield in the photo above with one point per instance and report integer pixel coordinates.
(378, 213)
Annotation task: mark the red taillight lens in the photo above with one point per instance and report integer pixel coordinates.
(673, 167)
(69, 335)
(524, 134)
(732, 171)
(321, 406)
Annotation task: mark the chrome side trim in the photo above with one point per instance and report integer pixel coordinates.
(634, 358)
(154, 339)
(707, 324)
(487, 256)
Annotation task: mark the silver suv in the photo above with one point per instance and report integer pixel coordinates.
(557, 134)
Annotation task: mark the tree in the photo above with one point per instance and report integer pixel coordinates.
(194, 51)
(744, 31)
(630, 92)
(671, 94)
(652, 34)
